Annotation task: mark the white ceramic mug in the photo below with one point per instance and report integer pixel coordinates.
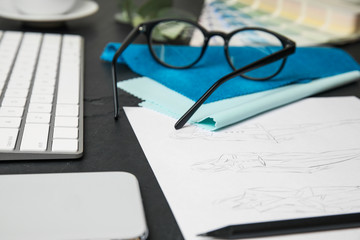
(44, 7)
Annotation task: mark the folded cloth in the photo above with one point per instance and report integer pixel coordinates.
(306, 64)
(219, 114)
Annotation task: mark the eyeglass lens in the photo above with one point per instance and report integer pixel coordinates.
(171, 43)
(250, 45)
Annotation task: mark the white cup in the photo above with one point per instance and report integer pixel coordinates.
(44, 7)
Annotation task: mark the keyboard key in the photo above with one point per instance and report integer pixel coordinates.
(40, 107)
(67, 110)
(45, 81)
(38, 118)
(42, 90)
(13, 102)
(10, 122)
(8, 138)
(13, 84)
(65, 145)
(18, 93)
(11, 111)
(19, 77)
(35, 137)
(68, 133)
(41, 99)
(66, 122)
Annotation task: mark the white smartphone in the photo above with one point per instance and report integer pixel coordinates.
(70, 206)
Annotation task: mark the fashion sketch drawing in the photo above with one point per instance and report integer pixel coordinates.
(316, 200)
(286, 162)
(276, 133)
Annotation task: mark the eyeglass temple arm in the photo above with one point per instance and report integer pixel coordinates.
(259, 63)
(129, 39)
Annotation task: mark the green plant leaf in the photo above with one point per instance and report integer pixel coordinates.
(137, 20)
(128, 11)
(171, 12)
(122, 17)
(150, 9)
(133, 14)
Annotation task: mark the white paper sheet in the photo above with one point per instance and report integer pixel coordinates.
(297, 161)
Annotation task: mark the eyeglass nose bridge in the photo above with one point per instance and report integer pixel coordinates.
(223, 35)
(226, 38)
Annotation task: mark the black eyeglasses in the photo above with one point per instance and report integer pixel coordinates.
(265, 52)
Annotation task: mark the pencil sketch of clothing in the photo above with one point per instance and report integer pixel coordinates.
(260, 132)
(304, 200)
(298, 162)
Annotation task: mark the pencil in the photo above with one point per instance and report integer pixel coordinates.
(290, 226)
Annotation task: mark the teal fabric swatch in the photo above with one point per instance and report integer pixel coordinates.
(306, 64)
(225, 112)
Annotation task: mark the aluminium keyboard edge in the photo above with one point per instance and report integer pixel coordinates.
(48, 155)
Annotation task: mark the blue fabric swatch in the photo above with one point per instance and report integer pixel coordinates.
(306, 64)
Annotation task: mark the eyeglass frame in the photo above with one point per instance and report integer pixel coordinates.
(146, 28)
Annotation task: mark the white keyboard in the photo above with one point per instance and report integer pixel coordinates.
(41, 96)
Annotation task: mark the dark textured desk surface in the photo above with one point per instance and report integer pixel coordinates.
(112, 145)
